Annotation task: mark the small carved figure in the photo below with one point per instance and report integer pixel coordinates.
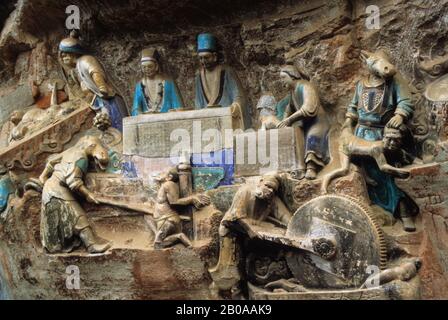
(301, 109)
(8, 127)
(156, 92)
(351, 146)
(87, 79)
(166, 211)
(64, 224)
(217, 84)
(250, 205)
(267, 106)
(404, 272)
(382, 99)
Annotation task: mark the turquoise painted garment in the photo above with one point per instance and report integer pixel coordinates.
(395, 98)
(6, 189)
(171, 98)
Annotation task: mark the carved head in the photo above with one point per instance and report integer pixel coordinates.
(70, 49)
(150, 62)
(378, 63)
(94, 149)
(208, 50)
(392, 139)
(267, 187)
(289, 74)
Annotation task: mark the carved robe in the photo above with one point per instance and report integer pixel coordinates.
(92, 78)
(372, 107)
(170, 98)
(220, 87)
(314, 123)
(62, 217)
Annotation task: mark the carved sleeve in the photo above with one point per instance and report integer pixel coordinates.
(352, 110)
(75, 179)
(311, 102)
(403, 98)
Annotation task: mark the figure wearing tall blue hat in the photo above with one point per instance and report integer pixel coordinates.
(217, 84)
(87, 79)
(155, 92)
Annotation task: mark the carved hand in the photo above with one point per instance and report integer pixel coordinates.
(234, 108)
(395, 122)
(284, 123)
(201, 200)
(90, 197)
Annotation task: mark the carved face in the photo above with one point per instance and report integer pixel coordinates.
(69, 59)
(378, 64)
(286, 80)
(150, 68)
(96, 151)
(265, 190)
(208, 59)
(392, 140)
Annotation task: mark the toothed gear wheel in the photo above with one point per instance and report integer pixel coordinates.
(351, 227)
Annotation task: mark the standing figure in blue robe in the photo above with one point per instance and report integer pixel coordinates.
(155, 92)
(302, 110)
(88, 80)
(382, 99)
(217, 84)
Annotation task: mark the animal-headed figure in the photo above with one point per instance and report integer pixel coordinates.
(382, 100)
(64, 223)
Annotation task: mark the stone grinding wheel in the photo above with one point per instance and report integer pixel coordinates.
(347, 224)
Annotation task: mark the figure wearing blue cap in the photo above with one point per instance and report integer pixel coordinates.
(217, 84)
(87, 79)
(156, 92)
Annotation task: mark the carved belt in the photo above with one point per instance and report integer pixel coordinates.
(370, 124)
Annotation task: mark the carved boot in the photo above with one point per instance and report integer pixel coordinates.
(94, 243)
(311, 171)
(408, 224)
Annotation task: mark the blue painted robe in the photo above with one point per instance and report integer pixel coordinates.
(171, 98)
(370, 127)
(6, 189)
(230, 91)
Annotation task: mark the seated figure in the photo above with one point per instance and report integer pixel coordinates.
(301, 109)
(217, 84)
(155, 92)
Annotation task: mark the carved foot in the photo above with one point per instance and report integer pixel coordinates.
(93, 243)
(408, 224)
(311, 174)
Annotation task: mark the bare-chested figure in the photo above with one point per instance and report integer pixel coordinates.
(166, 216)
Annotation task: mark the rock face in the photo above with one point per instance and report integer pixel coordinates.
(323, 38)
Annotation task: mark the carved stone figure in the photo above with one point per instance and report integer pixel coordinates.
(250, 206)
(382, 99)
(302, 110)
(166, 211)
(87, 78)
(8, 127)
(267, 106)
(37, 118)
(64, 224)
(351, 146)
(217, 84)
(155, 92)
